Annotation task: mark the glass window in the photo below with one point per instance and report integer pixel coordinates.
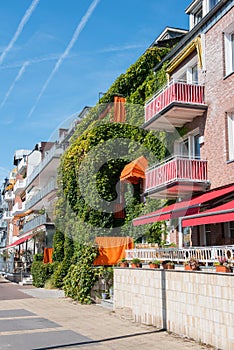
(213, 3)
(197, 146)
(184, 147)
(229, 52)
(194, 74)
(197, 16)
(231, 136)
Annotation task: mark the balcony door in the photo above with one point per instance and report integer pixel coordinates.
(189, 147)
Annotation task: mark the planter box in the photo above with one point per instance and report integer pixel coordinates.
(221, 268)
(189, 268)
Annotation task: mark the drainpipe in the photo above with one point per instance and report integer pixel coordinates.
(180, 233)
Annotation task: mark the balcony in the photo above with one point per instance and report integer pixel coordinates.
(19, 186)
(18, 208)
(176, 104)
(43, 194)
(9, 196)
(3, 224)
(176, 177)
(7, 215)
(48, 165)
(36, 223)
(22, 166)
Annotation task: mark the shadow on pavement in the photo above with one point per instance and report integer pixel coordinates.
(100, 340)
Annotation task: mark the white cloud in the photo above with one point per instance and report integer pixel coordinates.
(72, 42)
(19, 75)
(23, 22)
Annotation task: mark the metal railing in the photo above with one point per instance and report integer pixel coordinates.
(51, 186)
(55, 152)
(174, 91)
(19, 185)
(7, 215)
(36, 222)
(176, 168)
(202, 254)
(9, 196)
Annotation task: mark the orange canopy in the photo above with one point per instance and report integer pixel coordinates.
(112, 249)
(48, 252)
(119, 109)
(134, 170)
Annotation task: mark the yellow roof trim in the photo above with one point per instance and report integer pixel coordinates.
(193, 45)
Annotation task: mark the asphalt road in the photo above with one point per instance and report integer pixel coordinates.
(11, 291)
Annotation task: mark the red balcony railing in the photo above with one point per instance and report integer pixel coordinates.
(176, 169)
(174, 92)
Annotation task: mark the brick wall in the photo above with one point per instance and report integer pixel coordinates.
(219, 95)
(199, 305)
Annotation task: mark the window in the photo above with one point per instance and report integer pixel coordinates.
(189, 146)
(197, 16)
(229, 51)
(212, 3)
(230, 124)
(194, 74)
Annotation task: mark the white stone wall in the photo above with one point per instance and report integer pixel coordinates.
(199, 305)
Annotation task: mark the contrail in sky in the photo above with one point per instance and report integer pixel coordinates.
(73, 40)
(23, 21)
(19, 75)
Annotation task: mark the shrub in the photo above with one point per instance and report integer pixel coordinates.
(40, 273)
(81, 277)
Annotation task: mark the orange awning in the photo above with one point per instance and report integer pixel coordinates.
(135, 170)
(25, 213)
(112, 249)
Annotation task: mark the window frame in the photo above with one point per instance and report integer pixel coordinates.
(230, 136)
(229, 50)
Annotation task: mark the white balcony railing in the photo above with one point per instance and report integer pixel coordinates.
(55, 152)
(9, 196)
(203, 254)
(18, 208)
(22, 165)
(7, 215)
(19, 186)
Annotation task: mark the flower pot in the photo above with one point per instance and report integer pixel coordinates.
(104, 295)
(124, 264)
(154, 266)
(191, 268)
(221, 268)
(170, 267)
(134, 266)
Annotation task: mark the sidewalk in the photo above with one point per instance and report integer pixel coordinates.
(95, 326)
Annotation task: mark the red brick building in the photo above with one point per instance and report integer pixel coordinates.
(199, 97)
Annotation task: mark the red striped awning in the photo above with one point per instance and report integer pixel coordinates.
(185, 207)
(222, 213)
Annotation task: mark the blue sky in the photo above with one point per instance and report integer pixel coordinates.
(56, 56)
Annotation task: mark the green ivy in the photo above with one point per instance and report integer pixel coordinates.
(82, 275)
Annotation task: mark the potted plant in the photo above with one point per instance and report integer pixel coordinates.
(223, 264)
(168, 264)
(191, 265)
(154, 264)
(123, 263)
(105, 294)
(136, 263)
